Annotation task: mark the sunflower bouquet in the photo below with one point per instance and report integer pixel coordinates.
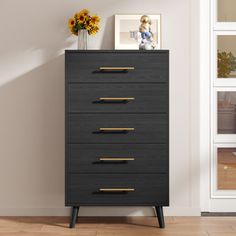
(82, 20)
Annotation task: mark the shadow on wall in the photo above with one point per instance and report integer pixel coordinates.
(32, 102)
(32, 142)
(34, 31)
(107, 41)
(32, 137)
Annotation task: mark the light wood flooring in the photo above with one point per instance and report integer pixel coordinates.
(120, 226)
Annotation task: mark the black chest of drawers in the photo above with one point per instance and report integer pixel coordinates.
(117, 129)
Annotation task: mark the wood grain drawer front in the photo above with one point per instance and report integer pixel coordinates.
(94, 66)
(118, 158)
(118, 128)
(117, 189)
(118, 98)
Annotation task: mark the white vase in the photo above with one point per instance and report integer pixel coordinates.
(82, 39)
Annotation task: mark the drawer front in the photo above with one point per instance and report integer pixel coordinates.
(132, 128)
(118, 98)
(117, 189)
(146, 66)
(117, 158)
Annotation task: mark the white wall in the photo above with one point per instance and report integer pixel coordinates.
(33, 38)
(205, 105)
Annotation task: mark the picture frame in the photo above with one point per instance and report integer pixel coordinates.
(127, 26)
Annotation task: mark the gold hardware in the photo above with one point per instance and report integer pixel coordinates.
(116, 158)
(116, 129)
(116, 99)
(116, 68)
(116, 189)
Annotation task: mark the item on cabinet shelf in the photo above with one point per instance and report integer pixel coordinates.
(129, 34)
(82, 25)
(226, 64)
(226, 168)
(146, 42)
(117, 129)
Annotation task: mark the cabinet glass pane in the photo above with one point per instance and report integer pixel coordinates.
(226, 10)
(226, 176)
(226, 53)
(226, 112)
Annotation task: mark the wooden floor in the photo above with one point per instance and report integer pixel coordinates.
(130, 226)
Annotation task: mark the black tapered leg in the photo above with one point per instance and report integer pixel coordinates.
(160, 216)
(74, 215)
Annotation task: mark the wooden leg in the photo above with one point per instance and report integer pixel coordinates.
(160, 216)
(74, 215)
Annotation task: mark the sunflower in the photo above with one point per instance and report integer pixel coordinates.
(91, 24)
(88, 27)
(95, 19)
(81, 18)
(71, 23)
(74, 31)
(93, 30)
(84, 12)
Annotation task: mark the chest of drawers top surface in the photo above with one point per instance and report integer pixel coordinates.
(144, 67)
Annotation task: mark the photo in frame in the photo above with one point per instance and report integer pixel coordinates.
(127, 31)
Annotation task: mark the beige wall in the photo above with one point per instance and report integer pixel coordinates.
(33, 38)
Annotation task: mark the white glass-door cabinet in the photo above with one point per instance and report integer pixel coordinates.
(223, 106)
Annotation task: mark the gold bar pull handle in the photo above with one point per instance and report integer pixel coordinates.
(116, 158)
(116, 129)
(116, 190)
(116, 68)
(116, 99)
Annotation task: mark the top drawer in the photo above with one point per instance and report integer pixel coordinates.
(117, 66)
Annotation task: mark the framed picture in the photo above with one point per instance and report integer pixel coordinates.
(127, 31)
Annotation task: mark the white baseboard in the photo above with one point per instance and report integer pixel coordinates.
(100, 211)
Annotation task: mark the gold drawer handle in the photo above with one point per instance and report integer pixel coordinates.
(116, 190)
(116, 129)
(116, 99)
(102, 68)
(116, 158)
